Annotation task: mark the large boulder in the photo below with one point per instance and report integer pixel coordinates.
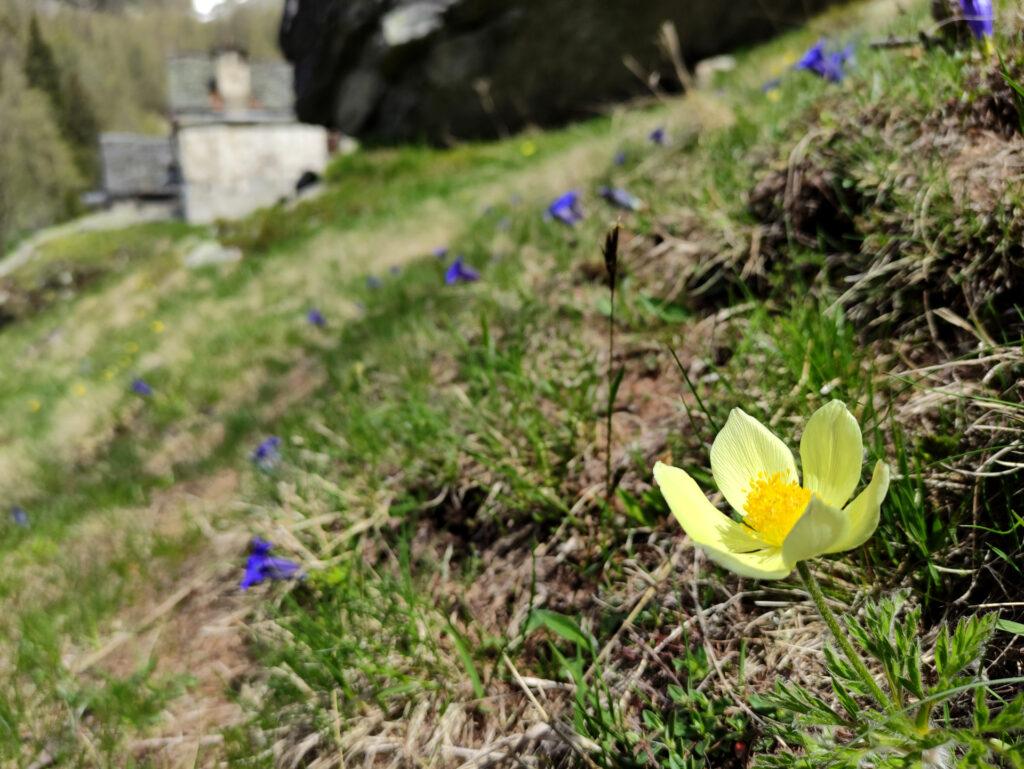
(449, 69)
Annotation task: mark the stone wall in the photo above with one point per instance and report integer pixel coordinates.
(135, 165)
(231, 169)
(446, 69)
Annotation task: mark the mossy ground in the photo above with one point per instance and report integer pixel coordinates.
(473, 592)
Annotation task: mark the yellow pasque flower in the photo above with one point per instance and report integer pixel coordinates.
(782, 521)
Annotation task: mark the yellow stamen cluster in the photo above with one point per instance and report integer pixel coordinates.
(774, 505)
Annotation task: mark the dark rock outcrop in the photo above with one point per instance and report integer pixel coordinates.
(446, 69)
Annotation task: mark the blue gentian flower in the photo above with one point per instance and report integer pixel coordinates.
(19, 516)
(261, 565)
(372, 281)
(658, 136)
(813, 59)
(316, 318)
(824, 63)
(566, 208)
(459, 272)
(268, 453)
(440, 252)
(620, 158)
(979, 17)
(771, 85)
(621, 198)
(139, 387)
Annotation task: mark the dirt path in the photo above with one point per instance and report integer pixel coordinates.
(112, 219)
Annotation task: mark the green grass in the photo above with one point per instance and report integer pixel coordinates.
(438, 440)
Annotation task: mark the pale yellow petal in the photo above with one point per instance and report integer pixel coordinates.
(764, 564)
(815, 532)
(743, 449)
(861, 515)
(720, 537)
(832, 452)
(705, 524)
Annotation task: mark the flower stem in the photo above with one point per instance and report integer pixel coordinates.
(611, 263)
(611, 396)
(841, 638)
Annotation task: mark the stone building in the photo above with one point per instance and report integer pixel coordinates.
(138, 167)
(235, 145)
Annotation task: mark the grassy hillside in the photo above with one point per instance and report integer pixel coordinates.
(484, 583)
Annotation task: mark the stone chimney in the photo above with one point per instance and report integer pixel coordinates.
(233, 79)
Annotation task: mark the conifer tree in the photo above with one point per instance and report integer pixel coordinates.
(39, 182)
(71, 106)
(79, 125)
(41, 68)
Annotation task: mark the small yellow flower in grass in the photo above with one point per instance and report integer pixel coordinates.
(79, 390)
(108, 375)
(158, 327)
(528, 149)
(131, 348)
(782, 521)
(34, 405)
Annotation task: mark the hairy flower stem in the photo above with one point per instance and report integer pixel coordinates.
(923, 722)
(841, 638)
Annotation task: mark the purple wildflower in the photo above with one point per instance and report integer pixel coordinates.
(440, 252)
(460, 272)
(566, 208)
(262, 566)
(268, 453)
(395, 270)
(771, 85)
(140, 388)
(979, 17)
(621, 198)
(372, 281)
(825, 64)
(316, 318)
(19, 516)
(620, 158)
(658, 136)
